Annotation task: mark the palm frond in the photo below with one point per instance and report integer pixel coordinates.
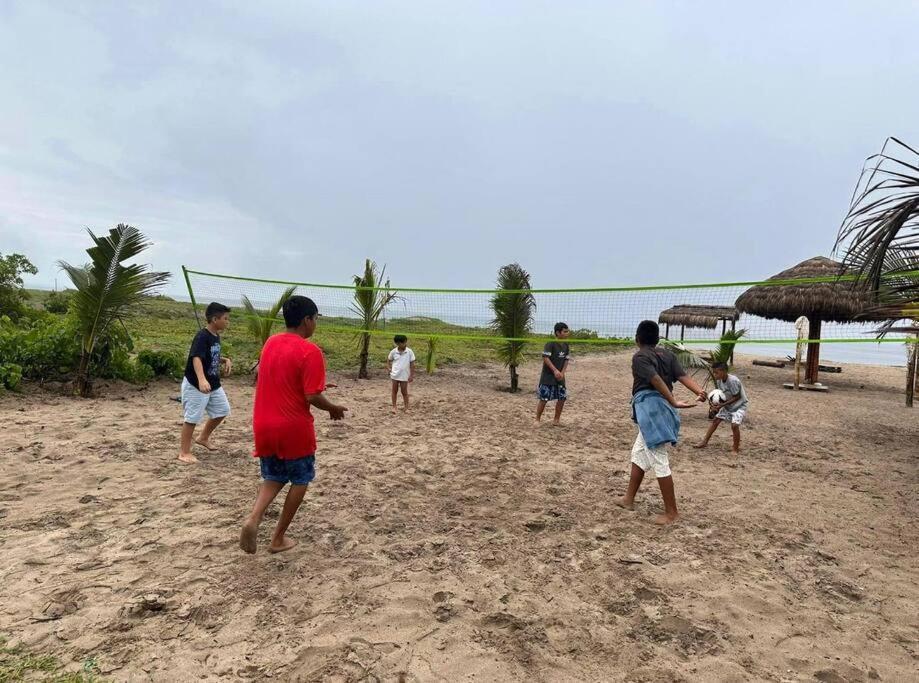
(106, 287)
(260, 323)
(725, 348)
(883, 220)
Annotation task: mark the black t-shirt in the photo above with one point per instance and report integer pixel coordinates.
(648, 362)
(557, 353)
(205, 346)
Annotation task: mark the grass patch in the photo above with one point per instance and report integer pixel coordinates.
(163, 324)
(16, 664)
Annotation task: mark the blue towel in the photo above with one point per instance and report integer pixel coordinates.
(657, 420)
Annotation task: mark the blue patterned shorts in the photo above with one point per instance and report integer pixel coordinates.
(553, 392)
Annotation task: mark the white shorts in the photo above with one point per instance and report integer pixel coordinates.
(735, 418)
(646, 458)
(197, 403)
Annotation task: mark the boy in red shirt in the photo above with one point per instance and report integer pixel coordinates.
(291, 378)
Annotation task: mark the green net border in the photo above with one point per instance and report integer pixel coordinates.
(580, 290)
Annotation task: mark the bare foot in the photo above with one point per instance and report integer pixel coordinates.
(286, 544)
(700, 445)
(735, 451)
(625, 505)
(247, 537)
(188, 458)
(556, 423)
(394, 410)
(666, 519)
(205, 444)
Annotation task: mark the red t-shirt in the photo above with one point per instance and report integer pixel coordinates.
(290, 369)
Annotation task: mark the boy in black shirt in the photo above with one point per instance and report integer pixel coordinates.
(654, 372)
(555, 357)
(201, 390)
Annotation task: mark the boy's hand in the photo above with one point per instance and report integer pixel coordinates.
(684, 404)
(703, 397)
(559, 375)
(227, 366)
(411, 378)
(337, 412)
(330, 385)
(204, 386)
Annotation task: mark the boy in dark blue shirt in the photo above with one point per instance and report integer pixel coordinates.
(201, 390)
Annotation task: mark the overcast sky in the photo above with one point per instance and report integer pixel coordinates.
(647, 142)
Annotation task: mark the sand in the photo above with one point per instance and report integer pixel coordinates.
(461, 542)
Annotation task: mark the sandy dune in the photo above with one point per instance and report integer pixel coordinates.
(461, 543)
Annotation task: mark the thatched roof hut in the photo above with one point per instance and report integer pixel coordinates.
(829, 300)
(826, 299)
(705, 317)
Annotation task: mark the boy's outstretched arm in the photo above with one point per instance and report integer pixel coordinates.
(661, 387)
(693, 386)
(336, 412)
(411, 373)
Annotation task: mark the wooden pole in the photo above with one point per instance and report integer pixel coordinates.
(682, 331)
(911, 369)
(667, 332)
(813, 352)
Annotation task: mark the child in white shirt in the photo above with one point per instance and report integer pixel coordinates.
(401, 364)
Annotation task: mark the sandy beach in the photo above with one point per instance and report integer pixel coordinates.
(461, 542)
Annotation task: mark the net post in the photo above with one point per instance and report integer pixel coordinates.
(191, 295)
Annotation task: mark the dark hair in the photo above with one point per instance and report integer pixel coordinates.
(559, 327)
(296, 308)
(400, 339)
(720, 365)
(215, 310)
(648, 333)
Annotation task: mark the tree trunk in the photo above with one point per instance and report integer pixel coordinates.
(83, 385)
(911, 371)
(365, 354)
(813, 352)
(515, 380)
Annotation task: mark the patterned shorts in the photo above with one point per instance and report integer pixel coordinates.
(735, 418)
(552, 392)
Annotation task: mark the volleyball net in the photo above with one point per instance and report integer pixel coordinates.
(696, 314)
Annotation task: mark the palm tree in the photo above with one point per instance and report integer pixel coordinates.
(106, 289)
(259, 323)
(514, 308)
(370, 301)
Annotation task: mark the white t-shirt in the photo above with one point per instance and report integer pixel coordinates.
(401, 364)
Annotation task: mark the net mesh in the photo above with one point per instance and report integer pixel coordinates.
(595, 316)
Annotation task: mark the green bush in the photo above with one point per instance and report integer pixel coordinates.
(162, 363)
(47, 347)
(57, 302)
(10, 376)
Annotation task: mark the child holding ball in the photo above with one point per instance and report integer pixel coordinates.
(734, 407)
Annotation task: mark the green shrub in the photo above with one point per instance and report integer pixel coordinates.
(10, 376)
(57, 302)
(47, 347)
(162, 363)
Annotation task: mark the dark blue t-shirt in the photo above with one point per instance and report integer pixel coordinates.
(205, 346)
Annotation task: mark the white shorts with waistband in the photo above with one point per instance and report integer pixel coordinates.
(646, 458)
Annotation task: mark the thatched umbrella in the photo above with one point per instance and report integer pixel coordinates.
(704, 317)
(830, 301)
